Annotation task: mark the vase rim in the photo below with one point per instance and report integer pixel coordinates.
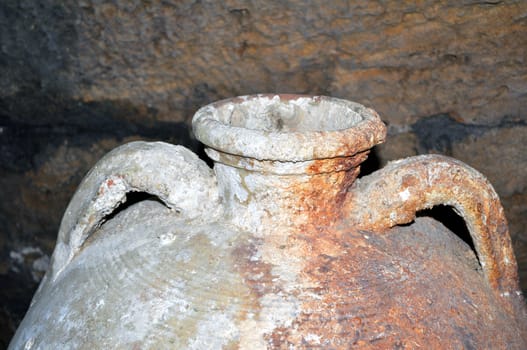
(287, 127)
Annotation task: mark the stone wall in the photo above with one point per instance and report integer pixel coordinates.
(78, 78)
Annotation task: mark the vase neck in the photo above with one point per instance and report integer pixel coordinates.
(267, 198)
(286, 161)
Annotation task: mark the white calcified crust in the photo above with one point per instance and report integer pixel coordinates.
(288, 128)
(172, 173)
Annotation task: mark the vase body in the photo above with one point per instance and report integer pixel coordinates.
(278, 247)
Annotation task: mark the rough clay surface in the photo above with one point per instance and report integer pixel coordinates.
(173, 174)
(288, 128)
(296, 261)
(78, 78)
(393, 195)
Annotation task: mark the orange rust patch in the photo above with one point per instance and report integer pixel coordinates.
(323, 195)
(409, 181)
(375, 203)
(385, 291)
(279, 339)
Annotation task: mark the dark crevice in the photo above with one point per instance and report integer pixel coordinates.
(371, 164)
(452, 221)
(484, 3)
(132, 198)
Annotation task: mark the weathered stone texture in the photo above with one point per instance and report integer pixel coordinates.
(78, 77)
(407, 60)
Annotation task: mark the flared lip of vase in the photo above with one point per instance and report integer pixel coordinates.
(288, 128)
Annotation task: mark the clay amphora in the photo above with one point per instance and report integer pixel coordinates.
(279, 246)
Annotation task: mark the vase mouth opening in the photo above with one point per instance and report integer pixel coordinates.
(288, 128)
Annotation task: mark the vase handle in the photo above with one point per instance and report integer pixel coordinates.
(392, 196)
(174, 174)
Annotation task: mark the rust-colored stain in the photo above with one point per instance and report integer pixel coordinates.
(256, 273)
(402, 188)
(375, 285)
(365, 282)
(324, 194)
(387, 291)
(366, 273)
